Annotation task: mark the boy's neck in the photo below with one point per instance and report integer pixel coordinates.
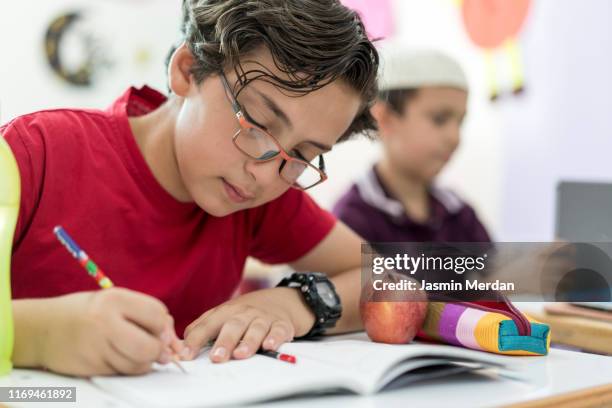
(411, 191)
(154, 135)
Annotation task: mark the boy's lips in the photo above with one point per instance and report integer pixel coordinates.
(236, 193)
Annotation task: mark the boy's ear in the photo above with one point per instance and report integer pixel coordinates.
(383, 115)
(179, 70)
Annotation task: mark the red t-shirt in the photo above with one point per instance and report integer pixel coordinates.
(82, 169)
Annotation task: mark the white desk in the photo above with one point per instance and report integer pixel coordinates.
(558, 373)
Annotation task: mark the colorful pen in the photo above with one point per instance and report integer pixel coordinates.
(92, 269)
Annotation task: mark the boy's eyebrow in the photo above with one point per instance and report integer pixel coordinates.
(275, 109)
(283, 117)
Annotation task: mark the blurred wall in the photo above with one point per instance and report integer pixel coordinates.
(562, 128)
(132, 36)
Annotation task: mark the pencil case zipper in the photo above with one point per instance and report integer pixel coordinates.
(522, 324)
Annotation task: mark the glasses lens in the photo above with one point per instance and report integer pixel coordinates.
(256, 144)
(260, 146)
(299, 173)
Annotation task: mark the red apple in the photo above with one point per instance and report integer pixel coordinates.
(393, 322)
(392, 316)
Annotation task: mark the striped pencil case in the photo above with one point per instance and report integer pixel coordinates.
(496, 327)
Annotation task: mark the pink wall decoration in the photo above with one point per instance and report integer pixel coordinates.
(377, 16)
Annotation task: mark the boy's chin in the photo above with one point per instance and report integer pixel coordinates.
(215, 207)
(221, 210)
(429, 178)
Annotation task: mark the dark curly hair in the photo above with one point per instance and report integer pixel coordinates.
(312, 42)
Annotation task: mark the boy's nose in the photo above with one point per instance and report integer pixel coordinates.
(452, 137)
(263, 173)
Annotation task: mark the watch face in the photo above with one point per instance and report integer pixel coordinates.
(326, 294)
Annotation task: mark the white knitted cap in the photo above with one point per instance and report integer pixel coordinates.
(401, 69)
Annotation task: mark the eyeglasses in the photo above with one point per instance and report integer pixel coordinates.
(258, 144)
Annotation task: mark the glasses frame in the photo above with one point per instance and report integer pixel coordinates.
(246, 125)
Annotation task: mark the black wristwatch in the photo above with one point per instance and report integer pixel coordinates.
(320, 295)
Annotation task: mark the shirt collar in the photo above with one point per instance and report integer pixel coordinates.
(374, 193)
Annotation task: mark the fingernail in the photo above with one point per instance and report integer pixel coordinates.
(185, 353)
(219, 352)
(243, 349)
(165, 357)
(270, 342)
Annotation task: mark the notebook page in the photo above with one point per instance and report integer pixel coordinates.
(366, 361)
(237, 381)
(370, 362)
(352, 364)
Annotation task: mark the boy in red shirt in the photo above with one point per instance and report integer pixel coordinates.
(170, 196)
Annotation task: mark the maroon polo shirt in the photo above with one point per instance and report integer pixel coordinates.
(373, 213)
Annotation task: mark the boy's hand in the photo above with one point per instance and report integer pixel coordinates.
(113, 331)
(262, 319)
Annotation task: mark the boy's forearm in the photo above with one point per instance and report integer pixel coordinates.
(29, 316)
(348, 287)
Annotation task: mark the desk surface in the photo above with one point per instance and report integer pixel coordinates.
(558, 373)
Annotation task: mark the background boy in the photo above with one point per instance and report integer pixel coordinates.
(421, 106)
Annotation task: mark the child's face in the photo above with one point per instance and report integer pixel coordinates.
(421, 141)
(220, 178)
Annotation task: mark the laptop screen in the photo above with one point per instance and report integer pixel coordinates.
(584, 212)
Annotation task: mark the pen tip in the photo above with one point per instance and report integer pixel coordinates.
(176, 362)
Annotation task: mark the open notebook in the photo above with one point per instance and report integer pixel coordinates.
(358, 366)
